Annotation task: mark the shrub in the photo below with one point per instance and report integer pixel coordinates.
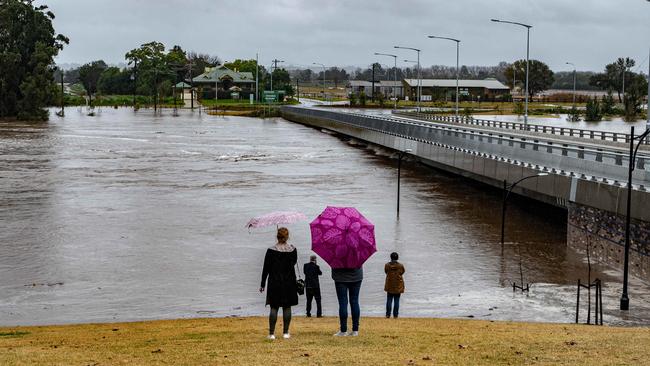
(574, 114)
(353, 99)
(593, 112)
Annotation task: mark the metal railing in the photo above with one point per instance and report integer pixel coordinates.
(604, 161)
(555, 130)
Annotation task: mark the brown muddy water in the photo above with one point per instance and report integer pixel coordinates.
(131, 216)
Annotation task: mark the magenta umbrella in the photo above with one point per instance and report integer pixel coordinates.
(343, 237)
(276, 218)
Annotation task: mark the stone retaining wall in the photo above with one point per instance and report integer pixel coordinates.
(604, 233)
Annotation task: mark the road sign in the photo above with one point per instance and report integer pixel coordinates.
(271, 96)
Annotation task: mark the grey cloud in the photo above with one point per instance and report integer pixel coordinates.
(336, 32)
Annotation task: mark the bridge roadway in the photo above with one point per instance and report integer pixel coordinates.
(587, 176)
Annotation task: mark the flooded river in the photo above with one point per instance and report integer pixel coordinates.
(131, 216)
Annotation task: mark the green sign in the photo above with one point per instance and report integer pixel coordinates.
(271, 96)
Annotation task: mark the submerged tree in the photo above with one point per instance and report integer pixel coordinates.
(89, 75)
(28, 45)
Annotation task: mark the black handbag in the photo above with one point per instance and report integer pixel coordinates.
(300, 283)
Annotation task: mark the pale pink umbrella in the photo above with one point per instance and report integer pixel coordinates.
(276, 218)
(343, 237)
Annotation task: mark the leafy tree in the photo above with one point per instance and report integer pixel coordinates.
(243, 66)
(540, 77)
(564, 80)
(281, 78)
(593, 112)
(353, 99)
(362, 99)
(336, 75)
(612, 78)
(89, 76)
(380, 99)
(177, 61)
(28, 45)
(153, 68)
(608, 104)
(634, 93)
(115, 81)
(574, 114)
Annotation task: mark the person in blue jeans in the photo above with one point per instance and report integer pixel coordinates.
(394, 285)
(348, 286)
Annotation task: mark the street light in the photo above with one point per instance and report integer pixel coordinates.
(625, 301)
(394, 71)
(457, 69)
(134, 78)
(419, 90)
(527, 58)
(323, 66)
(507, 189)
(399, 173)
(574, 83)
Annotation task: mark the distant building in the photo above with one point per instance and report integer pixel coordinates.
(384, 87)
(445, 89)
(231, 83)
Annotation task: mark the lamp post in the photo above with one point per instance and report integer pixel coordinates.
(399, 173)
(527, 58)
(134, 78)
(625, 301)
(574, 83)
(419, 90)
(457, 64)
(507, 189)
(323, 66)
(394, 72)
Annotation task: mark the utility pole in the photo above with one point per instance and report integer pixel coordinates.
(257, 71)
(273, 67)
(373, 82)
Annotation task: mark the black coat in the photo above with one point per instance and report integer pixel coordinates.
(278, 268)
(312, 271)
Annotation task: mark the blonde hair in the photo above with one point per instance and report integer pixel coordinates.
(283, 235)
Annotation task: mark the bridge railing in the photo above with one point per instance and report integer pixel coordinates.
(555, 130)
(560, 157)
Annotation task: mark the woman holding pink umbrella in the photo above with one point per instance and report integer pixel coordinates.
(345, 240)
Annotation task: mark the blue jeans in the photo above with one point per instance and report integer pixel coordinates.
(392, 301)
(342, 290)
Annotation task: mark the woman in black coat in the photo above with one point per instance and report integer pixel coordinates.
(281, 291)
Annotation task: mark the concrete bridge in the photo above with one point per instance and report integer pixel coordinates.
(587, 171)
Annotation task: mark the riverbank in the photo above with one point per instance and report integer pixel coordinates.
(405, 341)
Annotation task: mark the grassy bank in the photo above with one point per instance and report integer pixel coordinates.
(241, 341)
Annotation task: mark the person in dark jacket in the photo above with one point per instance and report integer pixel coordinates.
(281, 291)
(348, 286)
(394, 285)
(312, 285)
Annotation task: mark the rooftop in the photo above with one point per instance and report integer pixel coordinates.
(451, 83)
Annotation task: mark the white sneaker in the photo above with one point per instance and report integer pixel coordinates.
(340, 334)
(270, 336)
(286, 336)
(353, 334)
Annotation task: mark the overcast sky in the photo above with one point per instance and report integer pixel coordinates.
(589, 33)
